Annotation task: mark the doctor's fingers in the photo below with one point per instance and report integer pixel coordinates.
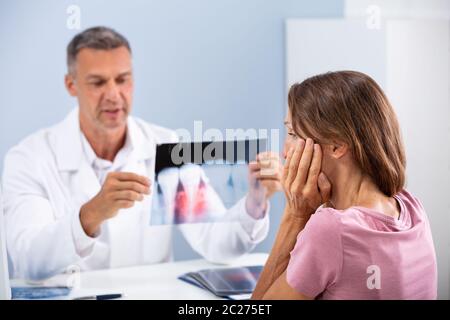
(257, 170)
(272, 169)
(266, 163)
(254, 167)
(130, 185)
(268, 155)
(129, 176)
(124, 204)
(267, 174)
(128, 195)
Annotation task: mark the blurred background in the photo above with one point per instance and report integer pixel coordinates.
(230, 63)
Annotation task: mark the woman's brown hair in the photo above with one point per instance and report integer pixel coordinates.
(349, 106)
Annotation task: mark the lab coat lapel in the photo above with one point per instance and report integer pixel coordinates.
(85, 184)
(80, 178)
(126, 229)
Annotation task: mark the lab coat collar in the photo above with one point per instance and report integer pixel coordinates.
(69, 150)
(121, 157)
(142, 141)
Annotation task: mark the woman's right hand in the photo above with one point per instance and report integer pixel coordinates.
(305, 186)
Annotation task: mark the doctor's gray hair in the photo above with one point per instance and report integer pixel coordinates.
(100, 38)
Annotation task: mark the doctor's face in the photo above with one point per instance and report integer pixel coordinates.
(103, 84)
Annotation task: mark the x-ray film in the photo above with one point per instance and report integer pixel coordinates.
(200, 182)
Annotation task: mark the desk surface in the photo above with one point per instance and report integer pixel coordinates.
(158, 281)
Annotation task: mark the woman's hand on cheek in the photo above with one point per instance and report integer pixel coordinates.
(306, 188)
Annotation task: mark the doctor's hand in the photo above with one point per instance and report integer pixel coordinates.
(305, 186)
(119, 191)
(264, 180)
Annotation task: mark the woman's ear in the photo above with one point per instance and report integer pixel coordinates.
(338, 149)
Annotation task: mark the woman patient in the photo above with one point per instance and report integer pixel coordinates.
(349, 230)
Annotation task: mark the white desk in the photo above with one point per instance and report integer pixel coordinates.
(158, 281)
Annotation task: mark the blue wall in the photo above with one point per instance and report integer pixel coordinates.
(219, 61)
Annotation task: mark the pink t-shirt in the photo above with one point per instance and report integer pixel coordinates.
(359, 253)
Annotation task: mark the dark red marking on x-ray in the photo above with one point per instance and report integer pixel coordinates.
(181, 204)
(200, 199)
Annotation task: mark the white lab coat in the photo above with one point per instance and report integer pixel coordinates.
(46, 180)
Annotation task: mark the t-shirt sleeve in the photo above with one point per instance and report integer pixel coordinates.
(316, 260)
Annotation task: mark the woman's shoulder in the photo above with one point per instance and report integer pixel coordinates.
(330, 215)
(409, 200)
(360, 217)
(322, 233)
(325, 220)
(329, 219)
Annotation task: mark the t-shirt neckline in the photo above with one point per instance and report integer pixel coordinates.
(398, 222)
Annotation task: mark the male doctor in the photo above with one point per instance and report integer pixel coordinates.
(79, 193)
